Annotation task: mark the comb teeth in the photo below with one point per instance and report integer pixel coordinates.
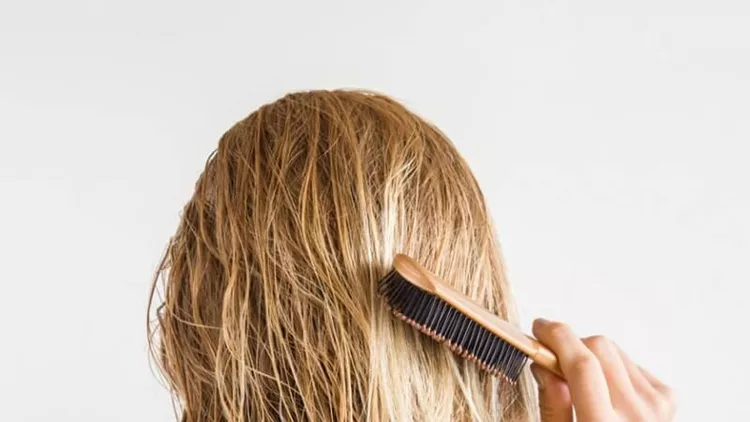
(438, 319)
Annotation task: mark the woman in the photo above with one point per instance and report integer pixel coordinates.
(270, 309)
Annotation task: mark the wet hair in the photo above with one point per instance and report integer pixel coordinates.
(267, 293)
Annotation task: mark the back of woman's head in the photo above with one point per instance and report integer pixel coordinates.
(270, 305)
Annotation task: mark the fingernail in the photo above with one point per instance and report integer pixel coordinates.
(539, 376)
(542, 321)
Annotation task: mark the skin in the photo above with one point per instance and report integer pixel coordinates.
(603, 384)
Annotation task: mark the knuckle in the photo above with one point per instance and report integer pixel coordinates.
(599, 344)
(585, 362)
(663, 403)
(670, 399)
(558, 329)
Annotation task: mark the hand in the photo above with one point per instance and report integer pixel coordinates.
(603, 384)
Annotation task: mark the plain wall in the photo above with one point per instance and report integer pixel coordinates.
(611, 140)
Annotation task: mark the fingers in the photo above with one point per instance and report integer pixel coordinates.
(664, 402)
(659, 398)
(637, 378)
(554, 397)
(583, 371)
(621, 390)
(603, 383)
(655, 382)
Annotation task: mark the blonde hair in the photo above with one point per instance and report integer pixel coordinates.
(270, 310)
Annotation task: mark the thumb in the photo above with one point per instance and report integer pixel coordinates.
(554, 396)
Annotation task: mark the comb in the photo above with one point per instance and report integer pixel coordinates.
(421, 299)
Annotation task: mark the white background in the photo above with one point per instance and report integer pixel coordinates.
(611, 139)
